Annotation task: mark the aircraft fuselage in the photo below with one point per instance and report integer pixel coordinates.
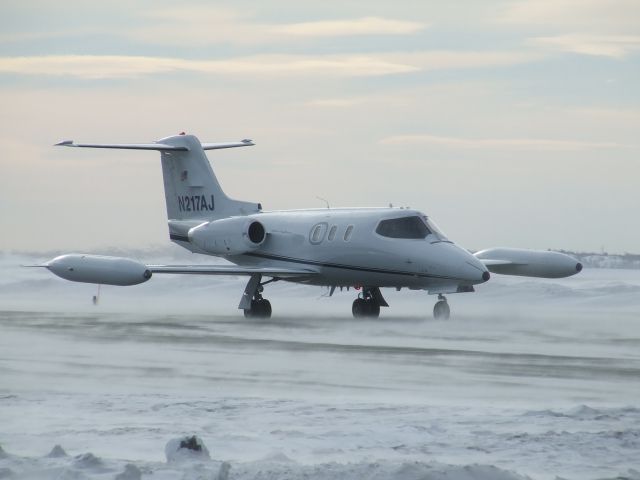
(345, 249)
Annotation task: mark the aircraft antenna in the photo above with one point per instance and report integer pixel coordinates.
(324, 200)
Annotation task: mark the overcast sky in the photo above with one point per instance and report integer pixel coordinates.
(511, 123)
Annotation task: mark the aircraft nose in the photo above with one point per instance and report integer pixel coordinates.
(463, 265)
(477, 272)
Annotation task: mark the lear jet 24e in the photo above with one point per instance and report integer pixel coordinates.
(338, 247)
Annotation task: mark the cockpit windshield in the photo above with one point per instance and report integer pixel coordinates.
(415, 227)
(403, 227)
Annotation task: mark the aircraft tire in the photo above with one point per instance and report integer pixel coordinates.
(441, 310)
(259, 309)
(373, 309)
(365, 308)
(265, 308)
(359, 308)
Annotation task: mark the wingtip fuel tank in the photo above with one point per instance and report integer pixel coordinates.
(99, 269)
(529, 263)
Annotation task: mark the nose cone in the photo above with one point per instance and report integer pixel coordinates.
(462, 265)
(474, 271)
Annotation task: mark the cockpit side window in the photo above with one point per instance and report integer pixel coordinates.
(404, 227)
(435, 230)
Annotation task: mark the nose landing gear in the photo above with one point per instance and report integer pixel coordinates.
(441, 310)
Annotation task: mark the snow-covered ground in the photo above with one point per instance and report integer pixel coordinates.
(529, 378)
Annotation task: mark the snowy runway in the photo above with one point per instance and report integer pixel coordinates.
(530, 378)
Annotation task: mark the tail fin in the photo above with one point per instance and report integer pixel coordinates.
(191, 189)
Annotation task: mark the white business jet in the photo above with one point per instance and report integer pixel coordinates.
(366, 248)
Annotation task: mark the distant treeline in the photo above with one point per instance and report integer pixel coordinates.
(606, 260)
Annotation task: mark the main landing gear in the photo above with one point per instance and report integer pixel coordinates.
(252, 302)
(368, 303)
(365, 307)
(260, 308)
(441, 309)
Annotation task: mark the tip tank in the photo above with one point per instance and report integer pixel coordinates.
(529, 263)
(99, 269)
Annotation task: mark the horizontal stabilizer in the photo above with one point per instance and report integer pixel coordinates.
(217, 146)
(161, 147)
(124, 146)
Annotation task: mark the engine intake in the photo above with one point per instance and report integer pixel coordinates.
(256, 233)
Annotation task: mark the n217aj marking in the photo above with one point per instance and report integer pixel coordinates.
(195, 203)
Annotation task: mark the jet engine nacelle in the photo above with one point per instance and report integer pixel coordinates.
(228, 236)
(99, 269)
(529, 263)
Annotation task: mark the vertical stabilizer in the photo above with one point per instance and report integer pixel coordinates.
(192, 191)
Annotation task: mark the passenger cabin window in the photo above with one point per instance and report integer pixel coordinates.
(332, 233)
(317, 233)
(347, 233)
(405, 227)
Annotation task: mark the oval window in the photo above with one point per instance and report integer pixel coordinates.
(318, 232)
(332, 233)
(347, 233)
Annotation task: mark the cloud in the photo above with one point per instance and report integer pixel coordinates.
(593, 16)
(499, 143)
(335, 102)
(359, 26)
(452, 60)
(206, 25)
(616, 46)
(197, 26)
(113, 66)
(345, 65)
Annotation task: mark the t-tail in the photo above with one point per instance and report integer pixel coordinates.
(192, 191)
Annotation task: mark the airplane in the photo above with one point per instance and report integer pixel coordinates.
(365, 248)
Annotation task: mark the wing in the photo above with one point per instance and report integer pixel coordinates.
(276, 272)
(105, 270)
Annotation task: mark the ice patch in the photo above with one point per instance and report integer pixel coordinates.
(131, 472)
(57, 452)
(585, 412)
(186, 449)
(277, 457)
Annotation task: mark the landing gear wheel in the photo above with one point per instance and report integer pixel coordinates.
(441, 310)
(259, 309)
(359, 308)
(365, 308)
(265, 308)
(374, 309)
